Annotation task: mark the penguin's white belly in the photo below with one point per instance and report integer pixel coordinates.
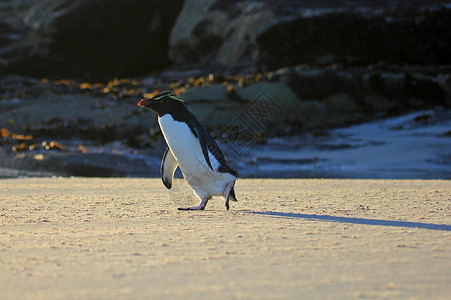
(188, 152)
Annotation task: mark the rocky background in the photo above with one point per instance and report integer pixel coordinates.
(73, 71)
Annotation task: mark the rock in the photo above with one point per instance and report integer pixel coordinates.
(321, 98)
(444, 81)
(87, 38)
(222, 32)
(244, 108)
(272, 34)
(395, 35)
(76, 164)
(214, 92)
(302, 98)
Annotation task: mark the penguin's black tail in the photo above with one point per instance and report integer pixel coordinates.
(232, 195)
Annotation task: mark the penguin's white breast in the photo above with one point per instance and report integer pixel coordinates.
(185, 146)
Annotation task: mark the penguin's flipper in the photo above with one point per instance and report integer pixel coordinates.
(168, 166)
(204, 140)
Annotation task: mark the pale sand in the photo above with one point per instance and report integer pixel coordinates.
(292, 239)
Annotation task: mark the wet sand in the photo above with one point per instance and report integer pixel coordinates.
(285, 239)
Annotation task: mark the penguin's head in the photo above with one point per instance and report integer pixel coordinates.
(163, 103)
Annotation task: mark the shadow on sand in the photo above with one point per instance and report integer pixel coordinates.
(348, 220)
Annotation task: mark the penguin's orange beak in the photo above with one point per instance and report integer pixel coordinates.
(143, 102)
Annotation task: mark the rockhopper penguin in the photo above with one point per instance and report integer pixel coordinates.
(193, 150)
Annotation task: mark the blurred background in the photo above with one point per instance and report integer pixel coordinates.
(342, 89)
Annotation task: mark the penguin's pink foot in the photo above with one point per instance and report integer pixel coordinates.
(192, 208)
(201, 206)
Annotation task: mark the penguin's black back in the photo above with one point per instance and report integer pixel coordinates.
(179, 112)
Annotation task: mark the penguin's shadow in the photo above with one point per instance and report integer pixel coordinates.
(350, 220)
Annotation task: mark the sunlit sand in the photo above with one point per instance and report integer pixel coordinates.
(298, 239)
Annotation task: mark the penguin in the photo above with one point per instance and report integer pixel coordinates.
(193, 150)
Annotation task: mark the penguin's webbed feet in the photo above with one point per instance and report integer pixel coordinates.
(192, 208)
(201, 206)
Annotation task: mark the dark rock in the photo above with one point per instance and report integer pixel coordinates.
(94, 39)
(275, 34)
(77, 164)
(403, 36)
(100, 40)
(317, 84)
(422, 118)
(424, 90)
(216, 32)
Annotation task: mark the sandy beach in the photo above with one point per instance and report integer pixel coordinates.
(80, 238)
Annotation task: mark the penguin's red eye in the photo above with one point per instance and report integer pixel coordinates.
(161, 101)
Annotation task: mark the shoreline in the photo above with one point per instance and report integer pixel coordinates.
(410, 146)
